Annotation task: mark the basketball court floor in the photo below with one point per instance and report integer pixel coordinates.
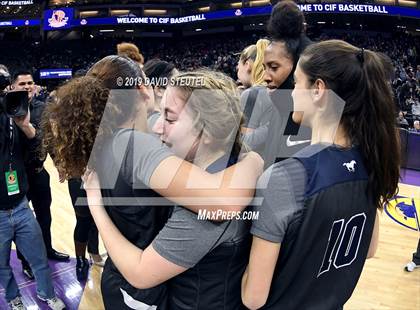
(384, 285)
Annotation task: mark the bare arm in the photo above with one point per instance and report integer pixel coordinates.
(375, 238)
(195, 189)
(142, 269)
(256, 281)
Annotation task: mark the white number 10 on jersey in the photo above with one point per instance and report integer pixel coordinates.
(343, 244)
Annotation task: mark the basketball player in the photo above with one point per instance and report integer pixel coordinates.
(255, 101)
(280, 138)
(159, 74)
(318, 222)
(203, 260)
(154, 166)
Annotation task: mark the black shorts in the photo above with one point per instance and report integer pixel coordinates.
(113, 286)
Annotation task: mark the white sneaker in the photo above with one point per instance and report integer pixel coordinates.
(17, 304)
(54, 303)
(411, 266)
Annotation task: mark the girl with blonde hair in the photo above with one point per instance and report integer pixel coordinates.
(255, 100)
(113, 144)
(203, 260)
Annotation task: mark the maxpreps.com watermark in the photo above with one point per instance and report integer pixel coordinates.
(221, 215)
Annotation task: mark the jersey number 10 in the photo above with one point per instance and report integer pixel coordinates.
(343, 244)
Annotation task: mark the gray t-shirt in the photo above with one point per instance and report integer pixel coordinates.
(283, 186)
(152, 119)
(262, 107)
(147, 153)
(260, 118)
(185, 240)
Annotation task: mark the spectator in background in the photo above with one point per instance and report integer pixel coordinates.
(402, 122)
(416, 126)
(415, 108)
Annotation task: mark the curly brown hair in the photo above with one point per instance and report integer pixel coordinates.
(131, 51)
(76, 120)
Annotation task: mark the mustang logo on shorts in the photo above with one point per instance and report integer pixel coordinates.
(350, 165)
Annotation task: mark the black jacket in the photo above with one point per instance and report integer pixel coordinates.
(35, 160)
(22, 148)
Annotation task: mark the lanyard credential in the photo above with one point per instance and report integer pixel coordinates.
(11, 143)
(11, 176)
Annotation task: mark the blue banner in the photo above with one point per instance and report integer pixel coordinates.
(57, 19)
(16, 3)
(20, 23)
(63, 18)
(55, 73)
(359, 8)
(265, 10)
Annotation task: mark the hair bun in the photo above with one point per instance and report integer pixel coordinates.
(286, 21)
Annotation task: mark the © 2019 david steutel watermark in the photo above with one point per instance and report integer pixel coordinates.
(160, 81)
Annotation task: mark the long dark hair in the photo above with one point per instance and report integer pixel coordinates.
(155, 69)
(361, 78)
(287, 25)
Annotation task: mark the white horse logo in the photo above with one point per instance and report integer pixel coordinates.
(350, 165)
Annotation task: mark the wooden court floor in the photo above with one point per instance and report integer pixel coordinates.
(383, 285)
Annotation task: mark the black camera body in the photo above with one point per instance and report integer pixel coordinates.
(14, 103)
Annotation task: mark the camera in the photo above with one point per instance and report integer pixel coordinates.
(13, 103)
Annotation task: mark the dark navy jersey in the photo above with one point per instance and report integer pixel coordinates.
(137, 222)
(215, 281)
(325, 242)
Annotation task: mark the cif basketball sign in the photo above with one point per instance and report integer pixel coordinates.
(58, 19)
(405, 211)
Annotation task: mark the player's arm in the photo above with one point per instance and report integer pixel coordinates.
(142, 269)
(375, 238)
(256, 281)
(229, 190)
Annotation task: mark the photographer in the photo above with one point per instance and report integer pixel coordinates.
(17, 223)
(39, 192)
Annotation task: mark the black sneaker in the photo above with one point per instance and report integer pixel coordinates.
(55, 255)
(27, 271)
(82, 268)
